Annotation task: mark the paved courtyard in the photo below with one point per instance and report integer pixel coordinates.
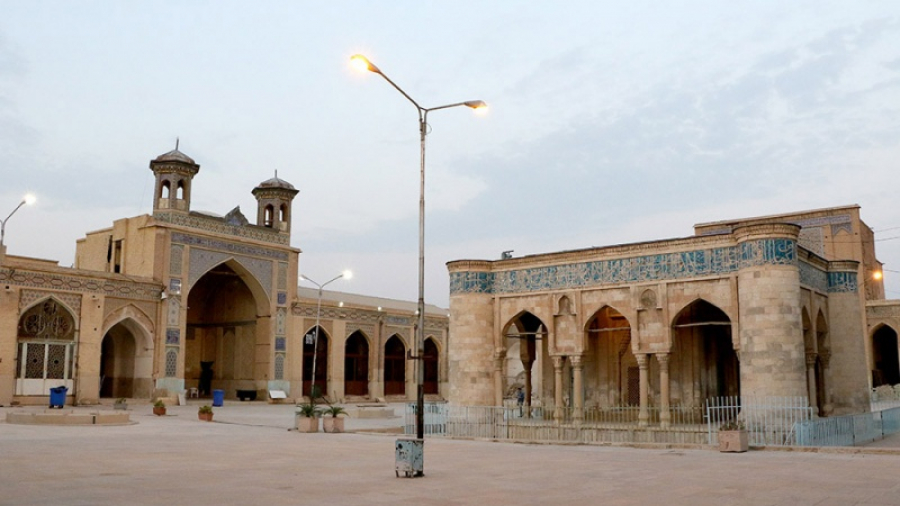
(249, 457)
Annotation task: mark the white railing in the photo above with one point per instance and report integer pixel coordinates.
(768, 420)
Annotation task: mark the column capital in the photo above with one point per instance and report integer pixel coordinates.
(558, 361)
(663, 359)
(641, 360)
(577, 361)
(811, 358)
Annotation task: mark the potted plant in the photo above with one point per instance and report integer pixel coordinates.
(205, 413)
(307, 418)
(333, 423)
(733, 437)
(159, 408)
(120, 403)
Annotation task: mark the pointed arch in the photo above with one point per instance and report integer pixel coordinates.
(432, 358)
(395, 366)
(528, 333)
(356, 364)
(703, 359)
(46, 336)
(885, 356)
(611, 372)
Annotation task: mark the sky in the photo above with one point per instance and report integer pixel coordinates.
(608, 122)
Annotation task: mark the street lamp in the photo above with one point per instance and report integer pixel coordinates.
(362, 63)
(346, 275)
(28, 199)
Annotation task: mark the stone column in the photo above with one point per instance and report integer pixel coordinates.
(499, 356)
(665, 417)
(558, 362)
(527, 354)
(771, 336)
(578, 387)
(643, 414)
(470, 352)
(847, 335)
(811, 379)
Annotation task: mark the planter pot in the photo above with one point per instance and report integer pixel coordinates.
(333, 424)
(733, 441)
(206, 417)
(159, 411)
(305, 424)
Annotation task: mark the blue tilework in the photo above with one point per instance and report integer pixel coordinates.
(282, 298)
(280, 344)
(679, 265)
(173, 336)
(842, 282)
(813, 277)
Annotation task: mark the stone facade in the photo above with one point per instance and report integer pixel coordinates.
(768, 306)
(179, 299)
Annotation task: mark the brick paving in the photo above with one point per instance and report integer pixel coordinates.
(247, 456)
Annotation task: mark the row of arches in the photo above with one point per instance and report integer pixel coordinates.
(357, 364)
(702, 361)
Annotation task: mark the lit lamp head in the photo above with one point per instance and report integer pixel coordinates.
(347, 274)
(362, 63)
(29, 199)
(877, 275)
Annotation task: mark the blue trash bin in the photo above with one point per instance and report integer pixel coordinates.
(58, 397)
(218, 397)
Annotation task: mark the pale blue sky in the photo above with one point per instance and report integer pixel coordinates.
(610, 122)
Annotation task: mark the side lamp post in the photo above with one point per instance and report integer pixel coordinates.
(28, 199)
(345, 275)
(362, 63)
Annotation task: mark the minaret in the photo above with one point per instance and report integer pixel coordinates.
(174, 172)
(274, 197)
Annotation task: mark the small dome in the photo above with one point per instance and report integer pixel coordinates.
(276, 183)
(175, 156)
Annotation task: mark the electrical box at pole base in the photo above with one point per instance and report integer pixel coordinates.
(409, 458)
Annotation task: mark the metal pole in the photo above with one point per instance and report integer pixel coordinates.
(312, 387)
(3, 222)
(420, 331)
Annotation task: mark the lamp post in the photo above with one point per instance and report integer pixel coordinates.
(26, 200)
(345, 275)
(362, 63)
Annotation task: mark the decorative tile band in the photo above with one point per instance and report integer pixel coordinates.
(231, 247)
(173, 336)
(280, 344)
(630, 270)
(80, 284)
(842, 282)
(813, 277)
(218, 225)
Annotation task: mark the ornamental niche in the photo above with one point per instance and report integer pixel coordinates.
(48, 320)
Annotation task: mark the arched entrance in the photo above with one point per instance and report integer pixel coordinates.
(223, 321)
(46, 349)
(117, 353)
(886, 370)
(356, 365)
(523, 332)
(611, 372)
(431, 382)
(319, 352)
(703, 363)
(394, 366)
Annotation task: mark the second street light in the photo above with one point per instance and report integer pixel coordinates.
(315, 343)
(362, 63)
(27, 200)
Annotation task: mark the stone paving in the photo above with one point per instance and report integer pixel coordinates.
(248, 456)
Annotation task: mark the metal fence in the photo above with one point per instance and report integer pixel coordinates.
(770, 421)
(849, 430)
